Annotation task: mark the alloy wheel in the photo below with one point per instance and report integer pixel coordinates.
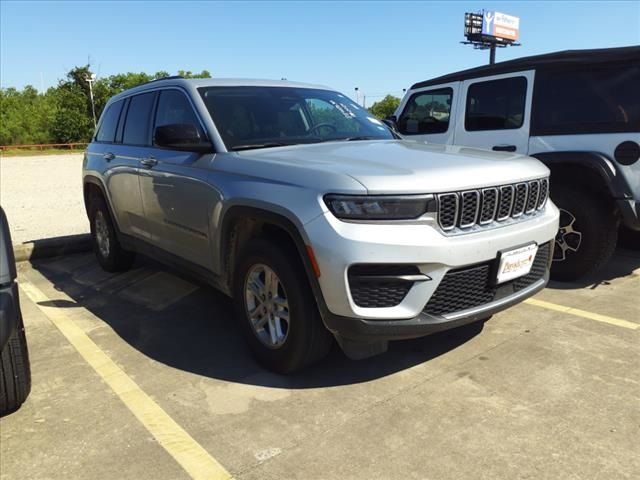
(568, 239)
(267, 306)
(102, 234)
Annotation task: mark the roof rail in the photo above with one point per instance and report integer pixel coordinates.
(172, 77)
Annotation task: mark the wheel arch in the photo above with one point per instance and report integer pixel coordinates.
(94, 185)
(596, 171)
(241, 222)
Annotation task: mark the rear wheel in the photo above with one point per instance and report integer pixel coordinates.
(111, 256)
(587, 233)
(15, 371)
(277, 312)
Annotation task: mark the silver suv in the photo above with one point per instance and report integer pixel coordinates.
(312, 215)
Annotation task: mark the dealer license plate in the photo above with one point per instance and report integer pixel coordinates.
(516, 263)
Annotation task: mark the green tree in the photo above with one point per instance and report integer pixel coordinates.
(385, 107)
(189, 74)
(63, 113)
(71, 122)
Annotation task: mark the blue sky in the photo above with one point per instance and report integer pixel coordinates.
(381, 47)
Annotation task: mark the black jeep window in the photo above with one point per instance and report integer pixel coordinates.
(109, 122)
(136, 127)
(588, 100)
(426, 112)
(496, 104)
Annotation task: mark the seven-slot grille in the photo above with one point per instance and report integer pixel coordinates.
(484, 206)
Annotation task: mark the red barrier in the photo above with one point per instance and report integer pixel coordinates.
(42, 146)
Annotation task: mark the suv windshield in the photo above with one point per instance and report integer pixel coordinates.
(258, 117)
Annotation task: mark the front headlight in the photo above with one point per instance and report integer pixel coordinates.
(379, 207)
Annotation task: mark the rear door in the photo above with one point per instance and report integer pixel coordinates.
(426, 113)
(106, 154)
(132, 145)
(495, 112)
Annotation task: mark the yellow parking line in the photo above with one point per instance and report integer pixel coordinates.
(175, 440)
(583, 313)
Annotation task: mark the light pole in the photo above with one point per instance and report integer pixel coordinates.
(90, 79)
(357, 96)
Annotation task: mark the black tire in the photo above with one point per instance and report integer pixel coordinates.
(307, 340)
(597, 226)
(628, 238)
(15, 372)
(113, 258)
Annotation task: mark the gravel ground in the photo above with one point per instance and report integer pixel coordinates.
(42, 196)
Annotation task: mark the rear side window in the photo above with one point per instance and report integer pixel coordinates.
(136, 127)
(109, 122)
(174, 108)
(496, 104)
(426, 112)
(589, 100)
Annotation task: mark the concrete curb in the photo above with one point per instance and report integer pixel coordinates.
(52, 247)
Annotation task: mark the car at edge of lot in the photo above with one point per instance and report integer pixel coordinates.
(15, 370)
(312, 215)
(576, 111)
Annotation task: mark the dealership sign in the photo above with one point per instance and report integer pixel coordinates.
(500, 25)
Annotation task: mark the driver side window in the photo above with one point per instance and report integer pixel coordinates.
(426, 112)
(337, 115)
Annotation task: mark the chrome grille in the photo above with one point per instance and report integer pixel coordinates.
(506, 202)
(448, 210)
(544, 192)
(520, 200)
(482, 207)
(532, 200)
(489, 205)
(470, 206)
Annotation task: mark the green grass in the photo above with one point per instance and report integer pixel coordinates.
(31, 152)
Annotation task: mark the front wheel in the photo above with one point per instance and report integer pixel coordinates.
(587, 233)
(275, 307)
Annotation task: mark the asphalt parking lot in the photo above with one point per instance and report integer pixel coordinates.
(145, 375)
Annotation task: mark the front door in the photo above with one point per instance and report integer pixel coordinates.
(495, 112)
(176, 195)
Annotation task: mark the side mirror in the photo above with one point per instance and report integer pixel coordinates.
(181, 136)
(391, 122)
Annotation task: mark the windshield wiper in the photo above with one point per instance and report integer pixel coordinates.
(361, 137)
(250, 146)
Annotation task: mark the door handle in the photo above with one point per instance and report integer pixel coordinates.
(149, 162)
(108, 156)
(504, 148)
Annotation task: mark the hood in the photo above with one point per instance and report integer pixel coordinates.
(406, 166)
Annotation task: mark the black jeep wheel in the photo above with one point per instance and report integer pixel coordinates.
(276, 309)
(111, 256)
(587, 235)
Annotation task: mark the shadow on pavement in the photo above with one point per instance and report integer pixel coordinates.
(194, 330)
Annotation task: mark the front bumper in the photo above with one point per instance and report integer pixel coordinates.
(362, 330)
(339, 245)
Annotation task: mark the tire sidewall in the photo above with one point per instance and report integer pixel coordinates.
(107, 262)
(288, 356)
(597, 226)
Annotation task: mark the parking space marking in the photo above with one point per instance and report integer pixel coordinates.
(583, 313)
(191, 456)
